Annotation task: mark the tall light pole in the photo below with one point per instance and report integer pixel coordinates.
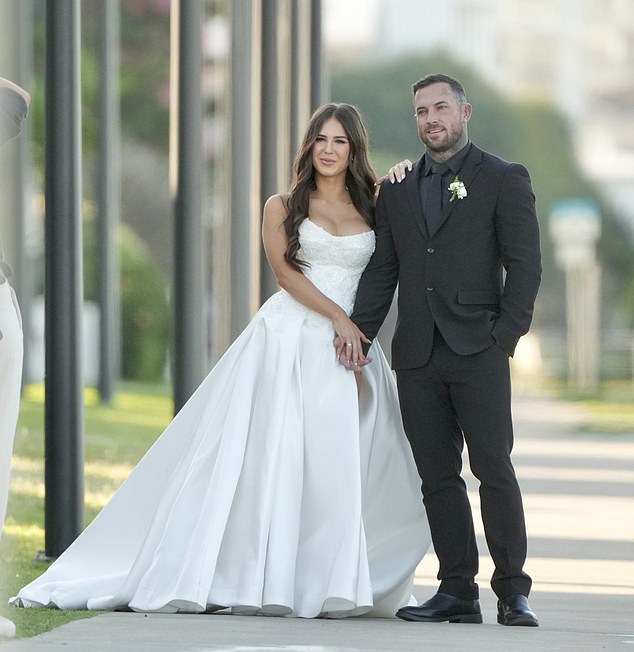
(63, 408)
(108, 199)
(189, 351)
(244, 198)
(275, 111)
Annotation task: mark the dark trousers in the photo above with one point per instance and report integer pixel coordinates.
(451, 400)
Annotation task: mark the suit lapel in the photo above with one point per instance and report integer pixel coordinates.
(467, 174)
(470, 168)
(412, 192)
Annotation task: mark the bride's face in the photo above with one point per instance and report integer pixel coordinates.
(331, 150)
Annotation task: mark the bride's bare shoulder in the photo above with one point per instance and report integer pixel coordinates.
(276, 206)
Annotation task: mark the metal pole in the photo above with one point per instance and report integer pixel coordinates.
(276, 109)
(316, 67)
(108, 199)
(189, 357)
(244, 195)
(300, 75)
(63, 412)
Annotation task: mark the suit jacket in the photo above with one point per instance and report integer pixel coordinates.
(476, 278)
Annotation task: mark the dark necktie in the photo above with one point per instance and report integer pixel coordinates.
(433, 202)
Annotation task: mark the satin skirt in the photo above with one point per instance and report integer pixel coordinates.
(284, 486)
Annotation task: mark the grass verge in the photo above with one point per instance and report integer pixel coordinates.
(609, 407)
(115, 438)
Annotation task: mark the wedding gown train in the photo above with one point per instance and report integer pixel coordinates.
(284, 486)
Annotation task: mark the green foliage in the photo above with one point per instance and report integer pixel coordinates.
(144, 77)
(144, 310)
(145, 67)
(144, 307)
(89, 73)
(627, 296)
(532, 133)
(144, 50)
(89, 99)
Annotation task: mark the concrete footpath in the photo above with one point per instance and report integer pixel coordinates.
(579, 498)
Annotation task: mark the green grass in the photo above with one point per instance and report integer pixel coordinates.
(115, 438)
(610, 407)
(609, 417)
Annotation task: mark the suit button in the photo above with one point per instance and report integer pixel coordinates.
(429, 289)
(430, 250)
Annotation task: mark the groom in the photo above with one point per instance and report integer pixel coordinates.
(460, 237)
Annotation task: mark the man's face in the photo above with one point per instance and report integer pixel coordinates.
(440, 119)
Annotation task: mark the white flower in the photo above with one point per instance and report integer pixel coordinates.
(457, 189)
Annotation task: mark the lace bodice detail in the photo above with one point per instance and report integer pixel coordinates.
(336, 264)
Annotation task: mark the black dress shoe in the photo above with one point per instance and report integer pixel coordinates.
(515, 610)
(443, 607)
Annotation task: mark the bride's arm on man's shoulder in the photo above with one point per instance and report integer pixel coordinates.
(397, 172)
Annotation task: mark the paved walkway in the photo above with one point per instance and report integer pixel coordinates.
(579, 498)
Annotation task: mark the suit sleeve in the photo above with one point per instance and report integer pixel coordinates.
(379, 279)
(518, 238)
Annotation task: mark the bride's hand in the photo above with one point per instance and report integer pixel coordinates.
(347, 361)
(396, 172)
(348, 343)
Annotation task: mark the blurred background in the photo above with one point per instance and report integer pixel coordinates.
(551, 84)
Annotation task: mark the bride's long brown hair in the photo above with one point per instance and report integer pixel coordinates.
(360, 177)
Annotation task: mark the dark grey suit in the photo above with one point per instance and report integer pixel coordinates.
(465, 297)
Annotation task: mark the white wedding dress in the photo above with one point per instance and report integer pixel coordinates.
(282, 487)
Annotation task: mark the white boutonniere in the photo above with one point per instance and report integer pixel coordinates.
(457, 189)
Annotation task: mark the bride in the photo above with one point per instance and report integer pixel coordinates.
(285, 486)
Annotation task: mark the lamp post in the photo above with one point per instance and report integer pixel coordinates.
(63, 408)
(575, 226)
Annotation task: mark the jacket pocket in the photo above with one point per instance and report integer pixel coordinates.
(478, 297)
